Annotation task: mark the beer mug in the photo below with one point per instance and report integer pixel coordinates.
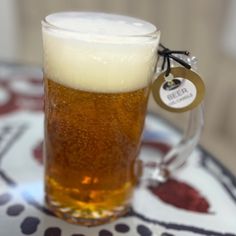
(98, 71)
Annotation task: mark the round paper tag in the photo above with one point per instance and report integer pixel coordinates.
(184, 92)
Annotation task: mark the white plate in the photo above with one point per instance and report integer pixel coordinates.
(22, 211)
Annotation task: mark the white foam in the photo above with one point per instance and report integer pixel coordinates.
(99, 52)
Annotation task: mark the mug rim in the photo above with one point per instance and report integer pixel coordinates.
(46, 24)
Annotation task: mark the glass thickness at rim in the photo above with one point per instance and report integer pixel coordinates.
(155, 34)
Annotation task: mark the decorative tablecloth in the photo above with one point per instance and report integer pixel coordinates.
(200, 199)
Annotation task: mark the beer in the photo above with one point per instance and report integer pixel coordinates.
(96, 93)
(92, 141)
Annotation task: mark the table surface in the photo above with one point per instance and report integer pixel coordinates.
(200, 199)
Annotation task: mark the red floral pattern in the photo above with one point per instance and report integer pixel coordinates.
(18, 100)
(181, 195)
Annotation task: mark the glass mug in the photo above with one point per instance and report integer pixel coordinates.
(98, 70)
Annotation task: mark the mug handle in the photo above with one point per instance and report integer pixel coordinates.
(178, 155)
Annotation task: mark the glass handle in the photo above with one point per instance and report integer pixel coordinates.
(177, 156)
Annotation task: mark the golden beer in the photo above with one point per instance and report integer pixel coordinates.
(92, 141)
(95, 106)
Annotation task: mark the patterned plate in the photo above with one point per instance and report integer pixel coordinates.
(199, 200)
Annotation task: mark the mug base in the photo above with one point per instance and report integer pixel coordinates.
(75, 216)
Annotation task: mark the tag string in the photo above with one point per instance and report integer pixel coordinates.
(167, 54)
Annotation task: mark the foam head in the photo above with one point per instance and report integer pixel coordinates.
(99, 52)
